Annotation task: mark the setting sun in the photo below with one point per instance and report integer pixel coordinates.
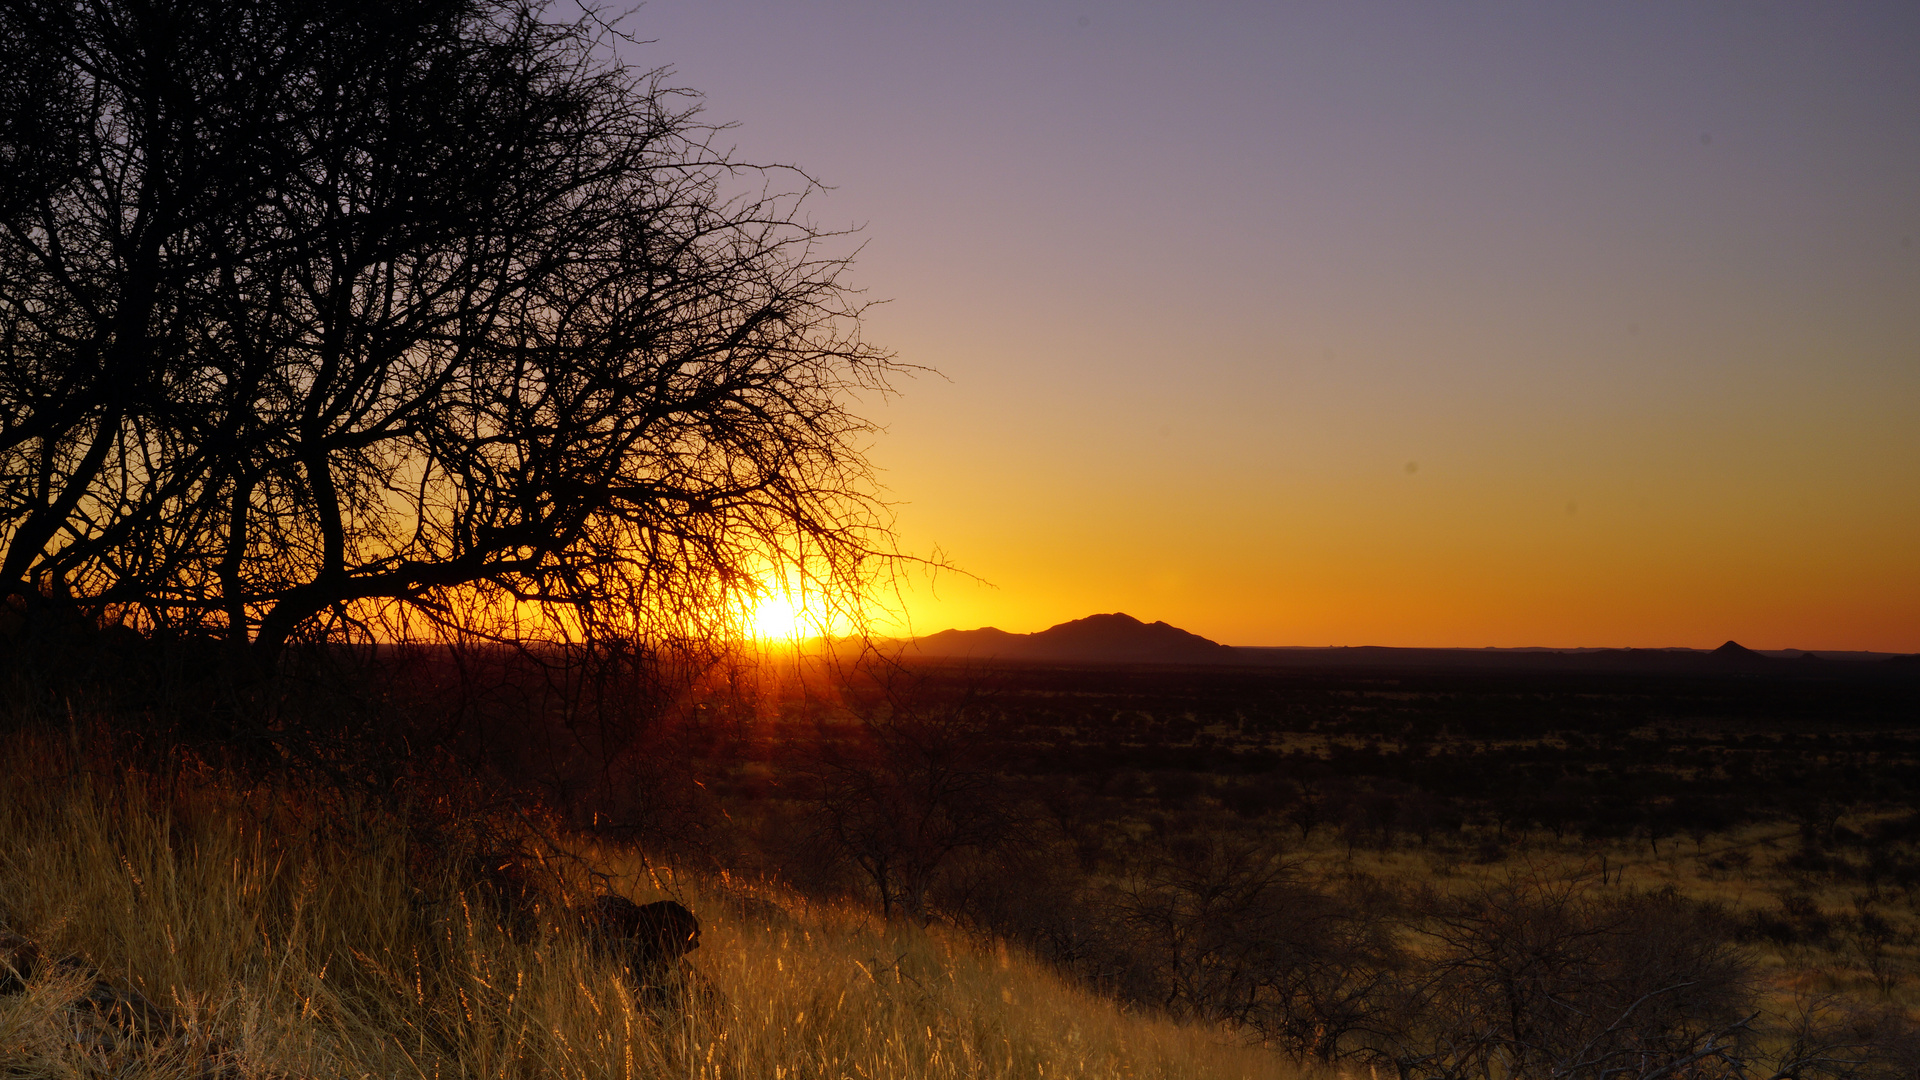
(776, 617)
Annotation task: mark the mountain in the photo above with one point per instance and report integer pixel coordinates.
(1737, 657)
(1096, 639)
(1123, 639)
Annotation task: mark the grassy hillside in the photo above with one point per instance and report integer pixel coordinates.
(284, 931)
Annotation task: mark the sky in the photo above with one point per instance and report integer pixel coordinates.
(1417, 324)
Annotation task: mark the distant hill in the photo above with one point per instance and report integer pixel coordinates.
(1123, 639)
(1730, 660)
(1096, 639)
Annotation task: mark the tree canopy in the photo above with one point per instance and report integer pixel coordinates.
(319, 317)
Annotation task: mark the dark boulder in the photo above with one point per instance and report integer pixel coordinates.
(105, 1017)
(18, 958)
(647, 939)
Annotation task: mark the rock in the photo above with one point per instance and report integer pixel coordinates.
(657, 933)
(108, 1019)
(648, 939)
(18, 958)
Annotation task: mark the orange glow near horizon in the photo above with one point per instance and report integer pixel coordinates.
(1700, 535)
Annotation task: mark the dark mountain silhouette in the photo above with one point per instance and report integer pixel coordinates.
(1096, 639)
(1123, 639)
(1737, 657)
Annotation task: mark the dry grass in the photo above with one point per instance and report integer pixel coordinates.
(294, 934)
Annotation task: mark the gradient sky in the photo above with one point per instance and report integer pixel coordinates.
(1433, 324)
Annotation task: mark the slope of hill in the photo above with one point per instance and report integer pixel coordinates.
(1116, 639)
(195, 941)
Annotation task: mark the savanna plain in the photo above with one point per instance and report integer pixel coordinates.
(926, 869)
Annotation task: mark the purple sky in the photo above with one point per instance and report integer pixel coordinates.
(1632, 287)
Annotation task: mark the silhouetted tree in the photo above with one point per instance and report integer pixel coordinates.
(1543, 978)
(412, 313)
(1226, 930)
(903, 782)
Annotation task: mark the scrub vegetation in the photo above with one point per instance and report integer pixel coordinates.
(946, 870)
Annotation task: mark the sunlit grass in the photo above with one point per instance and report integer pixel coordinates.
(295, 933)
(1740, 870)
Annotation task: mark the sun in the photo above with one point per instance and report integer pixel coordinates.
(777, 618)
